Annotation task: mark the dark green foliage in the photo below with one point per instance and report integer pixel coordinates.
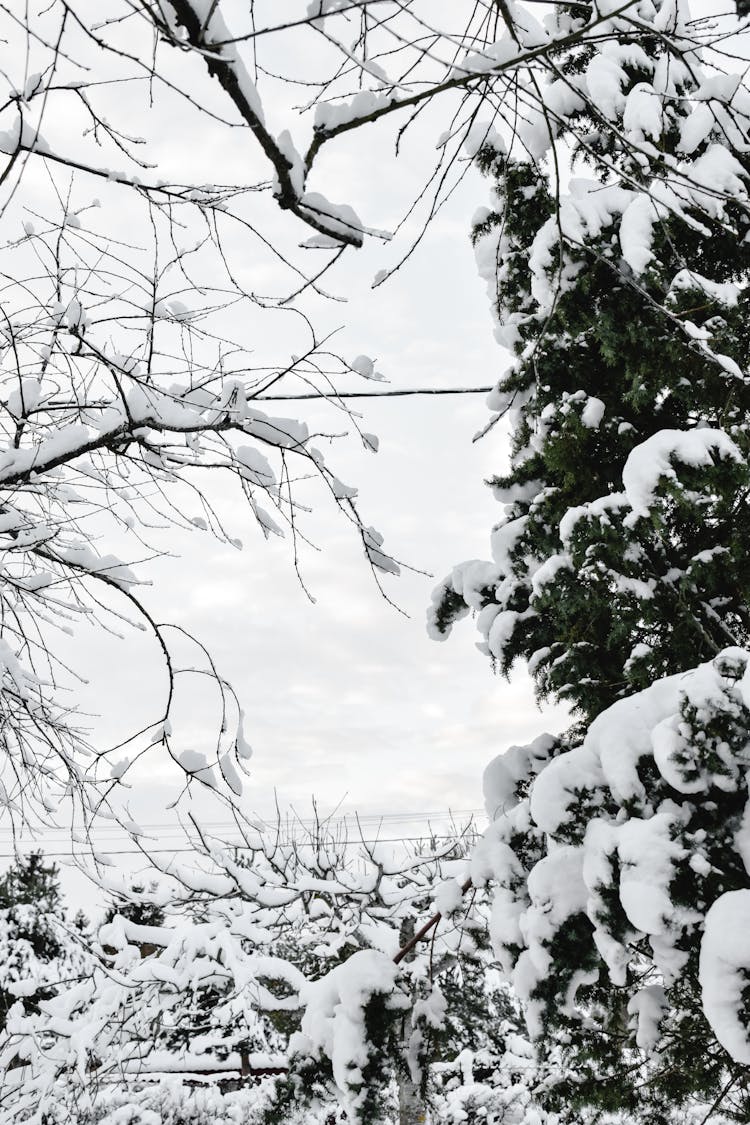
(310, 1082)
(31, 882)
(621, 559)
(677, 579)
(30, 903)
(139, 907)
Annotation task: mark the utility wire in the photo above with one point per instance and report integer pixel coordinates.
(168, 829)
(376, 394)
(89, 850)
(99, 847)
(164, 831)
(338, 819)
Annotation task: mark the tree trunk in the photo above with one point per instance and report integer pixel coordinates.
(410, 1110)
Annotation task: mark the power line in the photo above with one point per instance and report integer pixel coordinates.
(240, 844)
(343, 820)
(376, 394)
(338, 818)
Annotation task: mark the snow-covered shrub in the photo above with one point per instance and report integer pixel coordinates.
(278, 976)
(621, 909)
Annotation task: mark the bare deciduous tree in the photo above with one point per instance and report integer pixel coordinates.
(128, 368)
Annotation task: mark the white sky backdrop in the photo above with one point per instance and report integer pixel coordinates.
(346, 700)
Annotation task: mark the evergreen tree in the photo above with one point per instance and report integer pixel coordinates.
(620, 853)
(31, 942)
(618, 559)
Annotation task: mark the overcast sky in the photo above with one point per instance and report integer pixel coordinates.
(347, 700)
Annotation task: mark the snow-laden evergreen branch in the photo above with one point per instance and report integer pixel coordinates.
(619, 572)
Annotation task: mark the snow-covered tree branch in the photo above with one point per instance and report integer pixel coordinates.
(616, 134)
(274, 972)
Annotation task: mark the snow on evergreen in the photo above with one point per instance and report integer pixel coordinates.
(609, 895)
(619, 854)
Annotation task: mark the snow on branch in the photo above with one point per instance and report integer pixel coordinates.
(471, 64)
(120, 404)
(275, 966)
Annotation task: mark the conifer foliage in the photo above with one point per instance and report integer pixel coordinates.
(620, 570)
(29, 894)
(38, 947)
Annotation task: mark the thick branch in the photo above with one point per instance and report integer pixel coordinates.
(229, 71)
(422, 933)
(222, 66)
